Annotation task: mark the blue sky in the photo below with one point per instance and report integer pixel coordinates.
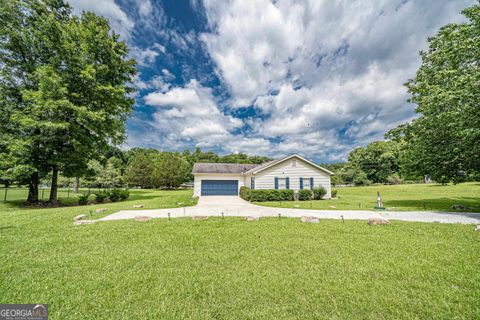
(317, 78)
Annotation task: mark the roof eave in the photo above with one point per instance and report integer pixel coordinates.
(289, 157)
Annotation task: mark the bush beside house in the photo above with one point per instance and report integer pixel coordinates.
(265, 195)
(319, 193)
(305, 194)
(283, 195)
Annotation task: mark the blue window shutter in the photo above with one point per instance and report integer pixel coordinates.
(311, 183)
(287, 182)
(301, 183)
(276, 183)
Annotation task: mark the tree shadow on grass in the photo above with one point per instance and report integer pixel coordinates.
(439, 204)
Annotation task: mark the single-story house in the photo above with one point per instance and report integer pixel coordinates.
(291, 172)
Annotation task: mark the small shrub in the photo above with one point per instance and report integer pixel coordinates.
(124, 194)
(305, 194)
(394, 179)
(334, 193)
(319, 193)
(286, 195)
(101, 196)
(116, 195)
(83, 199)
(245, 193)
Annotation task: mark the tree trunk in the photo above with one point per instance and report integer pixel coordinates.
(54, 187)
(76, 184)
(33, 188)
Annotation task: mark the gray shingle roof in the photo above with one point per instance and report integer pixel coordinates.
(265, 164)
(222, 167)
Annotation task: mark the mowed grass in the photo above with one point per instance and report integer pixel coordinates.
(408, 197)
(151, 199)
(232, 269)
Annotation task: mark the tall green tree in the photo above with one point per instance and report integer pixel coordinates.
(444, 142)
(65, 80)
(170, 170)
(29, 38)
(139, 170)
(378, 160)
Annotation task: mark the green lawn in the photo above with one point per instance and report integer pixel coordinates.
(151, 199)
(231, 269)
(411, 197)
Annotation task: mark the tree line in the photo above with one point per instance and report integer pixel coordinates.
(141, 167)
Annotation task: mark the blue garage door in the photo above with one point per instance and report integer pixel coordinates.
(219, 187)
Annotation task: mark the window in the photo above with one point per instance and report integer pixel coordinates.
(306, 183)
(282, 183)
(252, 183)
(294, 163)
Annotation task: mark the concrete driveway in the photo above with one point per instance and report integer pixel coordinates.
(235, 206)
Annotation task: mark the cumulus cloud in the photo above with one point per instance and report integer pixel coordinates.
(325, 75)
(190, 113)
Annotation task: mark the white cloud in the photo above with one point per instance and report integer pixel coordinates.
(119, 20)
(322, 70)
(145, 8)
(155, 83)
(146, 56)
(190, 113)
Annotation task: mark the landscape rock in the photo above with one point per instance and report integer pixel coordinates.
(459, 207)
(138, 206)
(80, 217)
(309, 219)
(142, 218)
(199, 218)
(100, 210)
(79, 222)
(477, 228)
(374, 221)
(252, 218)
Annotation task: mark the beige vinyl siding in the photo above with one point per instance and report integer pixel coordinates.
(197, 182)
(266, 179)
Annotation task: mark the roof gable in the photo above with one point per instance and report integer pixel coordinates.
(278, 161)
(237, 168)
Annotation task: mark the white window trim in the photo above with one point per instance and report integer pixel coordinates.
(308, 181)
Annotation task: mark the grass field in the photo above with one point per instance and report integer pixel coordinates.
(231, 269)
(408, 197)
(151, 199)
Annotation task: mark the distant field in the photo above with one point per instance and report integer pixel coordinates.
(408, 197)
